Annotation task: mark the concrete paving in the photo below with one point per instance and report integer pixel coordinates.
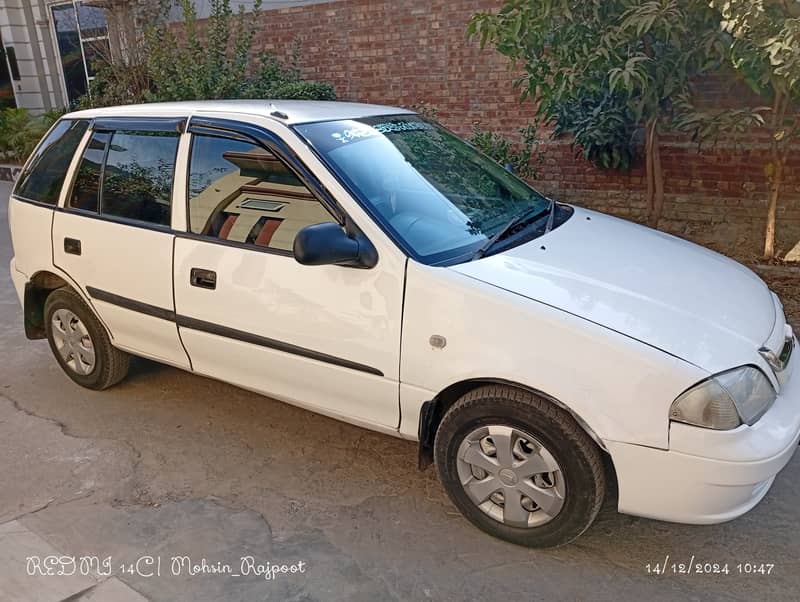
(170, 475)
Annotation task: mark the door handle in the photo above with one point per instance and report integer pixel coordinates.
(203, 278)
(72, 246)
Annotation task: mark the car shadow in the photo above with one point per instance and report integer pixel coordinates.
(142, 369)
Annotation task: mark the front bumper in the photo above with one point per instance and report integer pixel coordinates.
(710, 476)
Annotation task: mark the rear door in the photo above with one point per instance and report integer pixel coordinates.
(114, 235)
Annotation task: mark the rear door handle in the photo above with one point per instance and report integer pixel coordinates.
(72, 246)
(203, 278)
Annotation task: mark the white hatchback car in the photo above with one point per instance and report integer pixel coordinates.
(364, 263)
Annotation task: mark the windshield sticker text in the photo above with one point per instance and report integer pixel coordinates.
(390, 127)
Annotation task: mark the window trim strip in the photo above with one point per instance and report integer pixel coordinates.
(114, 219)
(175, 125)
(225, 331)
(22, 199)
(233, 243)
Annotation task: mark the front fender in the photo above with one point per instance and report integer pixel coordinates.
(619, 387)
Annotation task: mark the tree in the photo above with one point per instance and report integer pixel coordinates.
(766, 52)
(604, 69)
(121, 70)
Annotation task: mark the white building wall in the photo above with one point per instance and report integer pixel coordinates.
(24, 26)
(15, 34)
(51, 64)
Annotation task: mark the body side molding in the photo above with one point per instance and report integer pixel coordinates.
(224, 331)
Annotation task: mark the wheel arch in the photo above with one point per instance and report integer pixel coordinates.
(37, 289)
(433, 411)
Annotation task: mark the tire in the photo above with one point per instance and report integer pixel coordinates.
(568, 477)
(68, 323)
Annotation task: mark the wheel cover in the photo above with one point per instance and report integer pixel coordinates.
(72, 341)
(510, 476)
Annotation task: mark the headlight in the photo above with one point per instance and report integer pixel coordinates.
(725, 400)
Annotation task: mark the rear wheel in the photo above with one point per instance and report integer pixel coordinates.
(519, 467)
(80, 343)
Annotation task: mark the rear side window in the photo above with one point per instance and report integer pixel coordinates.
(127, 174)
(42, 178)
(138, 176)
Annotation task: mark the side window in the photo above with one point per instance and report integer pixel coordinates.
(46, 171)
(138, 175)
(241, 192)
(86, 187)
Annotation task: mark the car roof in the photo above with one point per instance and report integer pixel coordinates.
(285, 111)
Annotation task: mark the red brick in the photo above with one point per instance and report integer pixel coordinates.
(414, 53)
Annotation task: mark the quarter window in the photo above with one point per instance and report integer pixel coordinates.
(243, 193)
(45, 172)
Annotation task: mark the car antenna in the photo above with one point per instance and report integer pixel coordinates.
(276, 113)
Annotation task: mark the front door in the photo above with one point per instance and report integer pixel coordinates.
(114, 239)
(323, 337)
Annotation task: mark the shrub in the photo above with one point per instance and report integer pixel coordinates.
(116, 84)
(193, 61)
(20, 132)
(520, 156)
(272, 79)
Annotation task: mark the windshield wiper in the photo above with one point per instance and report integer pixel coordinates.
(502, 232)
(551, 216)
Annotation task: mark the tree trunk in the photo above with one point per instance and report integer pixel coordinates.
(775, 171)
(775, 183)
(658, 184)
(654, 175)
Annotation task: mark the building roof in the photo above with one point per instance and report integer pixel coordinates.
(295, 111)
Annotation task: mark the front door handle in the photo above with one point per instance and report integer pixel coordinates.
(203, 278)
(72, 246)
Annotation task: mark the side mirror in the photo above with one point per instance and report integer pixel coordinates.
(329, 244)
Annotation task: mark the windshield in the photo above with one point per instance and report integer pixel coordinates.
(434, 192)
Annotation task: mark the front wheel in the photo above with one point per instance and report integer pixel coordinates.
(519, 467)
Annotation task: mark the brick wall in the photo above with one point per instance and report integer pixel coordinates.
(414, 53)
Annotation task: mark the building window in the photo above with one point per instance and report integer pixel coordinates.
(7, 99)
(82, 38)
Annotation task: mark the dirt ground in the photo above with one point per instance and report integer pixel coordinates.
(785, 281)
(169, 464)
